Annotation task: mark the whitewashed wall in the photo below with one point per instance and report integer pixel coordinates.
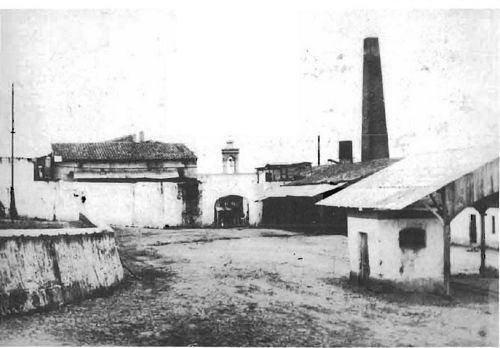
(460, 227)
(154, 204)
(43, 268)
(491, 238)
(421, 268)
(214, 186)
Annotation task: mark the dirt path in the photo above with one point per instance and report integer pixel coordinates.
(252, 288)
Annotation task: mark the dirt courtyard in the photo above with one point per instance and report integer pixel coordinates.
(253, 287)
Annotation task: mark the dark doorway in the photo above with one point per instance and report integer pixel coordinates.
(231, 211)
(473, 229)
(364, 263)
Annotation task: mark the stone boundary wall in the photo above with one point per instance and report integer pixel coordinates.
(47, 268)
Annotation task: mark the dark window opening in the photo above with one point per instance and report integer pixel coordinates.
(269, 177)
(473, 229)
(412, 238)
(283, 174)
(493, 225)
(40, 172)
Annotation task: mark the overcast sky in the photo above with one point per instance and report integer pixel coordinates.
(271, 78)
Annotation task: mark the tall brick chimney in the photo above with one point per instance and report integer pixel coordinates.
(374, 139)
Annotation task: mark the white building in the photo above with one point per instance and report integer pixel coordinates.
(466, 228)
(399, 218)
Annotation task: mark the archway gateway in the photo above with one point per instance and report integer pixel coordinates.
(231, 211)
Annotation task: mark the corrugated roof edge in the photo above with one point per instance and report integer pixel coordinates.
(377, 191)
(278, 165)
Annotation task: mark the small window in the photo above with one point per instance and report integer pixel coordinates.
(472, 229)
(493, 224)
(40, 172)
(269, 177)
(412, 238)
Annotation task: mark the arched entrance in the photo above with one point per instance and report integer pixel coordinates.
(231, 211)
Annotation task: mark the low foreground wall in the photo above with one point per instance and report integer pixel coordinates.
(47, 268)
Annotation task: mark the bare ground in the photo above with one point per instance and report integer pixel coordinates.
(254, 287)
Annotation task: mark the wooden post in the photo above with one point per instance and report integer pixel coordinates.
(482, 268)
(446, 255)
(319, 151)
(446, 242)
(12, 210)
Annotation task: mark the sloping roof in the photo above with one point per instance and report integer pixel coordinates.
(122, 151)
(125, 138)
(344, 172)
(283, 165)
(411, 179)
(298, 191)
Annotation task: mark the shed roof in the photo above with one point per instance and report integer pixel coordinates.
(298, 191)
(411, 179)
(344, 172)
(283, 165)
(122, 151)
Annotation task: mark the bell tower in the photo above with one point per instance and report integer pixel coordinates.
(230, 155)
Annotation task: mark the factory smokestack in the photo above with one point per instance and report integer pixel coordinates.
(374, 139)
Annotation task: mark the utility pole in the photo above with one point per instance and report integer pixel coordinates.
(319, 151)
(13, 210)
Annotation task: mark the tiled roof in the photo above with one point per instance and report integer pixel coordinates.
(344, 172)
(123, 151)
(125, 138)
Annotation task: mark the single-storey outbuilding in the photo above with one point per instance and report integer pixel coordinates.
(294, 203)
(399, 218)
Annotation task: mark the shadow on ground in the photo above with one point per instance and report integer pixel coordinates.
(470, 289)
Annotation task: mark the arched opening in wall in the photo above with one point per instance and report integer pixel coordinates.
(474, 243)
(231, 211)
(230, 165)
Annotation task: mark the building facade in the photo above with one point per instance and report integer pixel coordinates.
(400, 220)
(284, 172)
(466, 228)
(119, 160)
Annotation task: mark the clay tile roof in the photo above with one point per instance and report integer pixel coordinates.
(344, 172)
(123, 151)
